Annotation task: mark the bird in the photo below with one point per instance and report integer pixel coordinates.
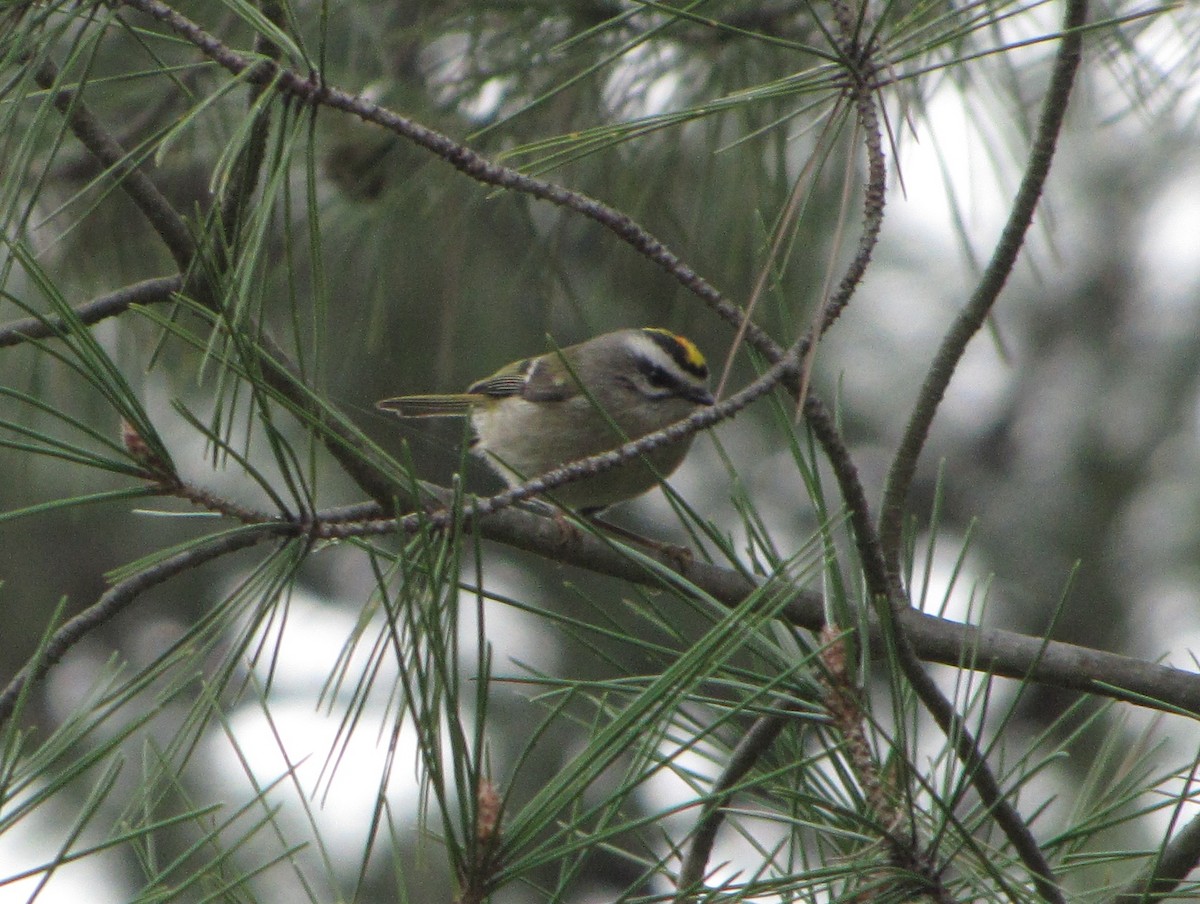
(540, 413)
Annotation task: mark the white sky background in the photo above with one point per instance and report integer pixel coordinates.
(921, 273)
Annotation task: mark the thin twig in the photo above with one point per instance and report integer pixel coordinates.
(842, 698)
(862, 68)
(749, 750)
(973, 316)
(148, 291)
(211, 502)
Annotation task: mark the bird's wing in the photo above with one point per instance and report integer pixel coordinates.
(543, 379)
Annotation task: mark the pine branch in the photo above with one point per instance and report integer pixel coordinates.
(1180, 856)
(148, 291)
(1006, 654)
(885, 589)
(279, 372)
(995, 651)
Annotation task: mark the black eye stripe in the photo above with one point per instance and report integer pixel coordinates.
(657, 375)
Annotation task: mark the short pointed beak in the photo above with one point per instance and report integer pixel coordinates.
(701, 396)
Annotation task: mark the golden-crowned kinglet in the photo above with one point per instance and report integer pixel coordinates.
(540, 413)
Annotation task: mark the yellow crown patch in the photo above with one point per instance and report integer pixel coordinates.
(681, 348)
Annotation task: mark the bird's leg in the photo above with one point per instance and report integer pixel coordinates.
(680, 556)
(568, 533)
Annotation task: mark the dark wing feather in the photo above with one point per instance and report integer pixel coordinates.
(507, 381)
(549, 380)
(498, 386)
(534, 379)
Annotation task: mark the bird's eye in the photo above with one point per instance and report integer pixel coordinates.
(658, 377)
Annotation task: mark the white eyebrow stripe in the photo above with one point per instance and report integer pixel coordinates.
(650, 350)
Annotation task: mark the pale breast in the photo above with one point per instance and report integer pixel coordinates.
(521, 439)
